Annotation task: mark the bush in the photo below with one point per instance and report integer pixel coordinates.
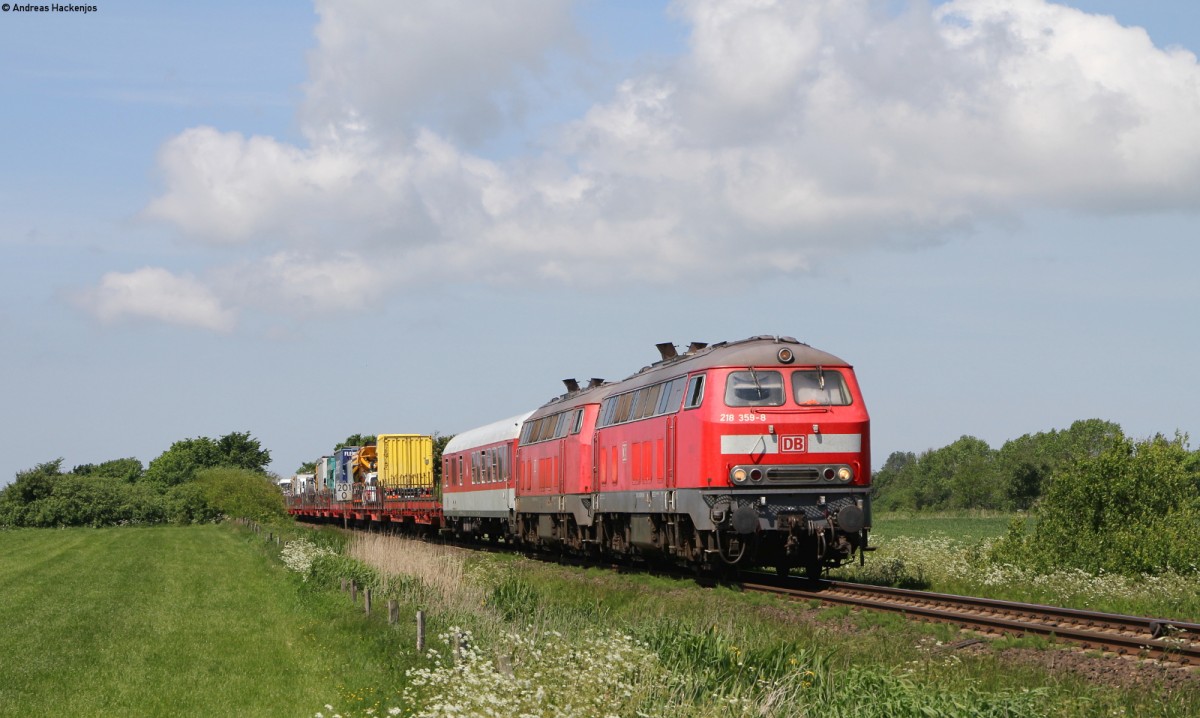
(89, 501)
(241, 492)
(188, 504)
(1133, 508)
(327, 569)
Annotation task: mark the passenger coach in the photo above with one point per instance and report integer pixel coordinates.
(478, 485)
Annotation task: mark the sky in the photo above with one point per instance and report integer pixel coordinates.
(311, 221)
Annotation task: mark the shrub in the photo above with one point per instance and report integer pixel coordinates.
(327, 569)
(241, 492)
(300, 555)
(188, 504)
(1133, 508)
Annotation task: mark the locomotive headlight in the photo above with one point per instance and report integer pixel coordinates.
(738, 475)
(844, 474)
(786, 356)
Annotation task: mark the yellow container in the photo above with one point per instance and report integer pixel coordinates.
(405, 461)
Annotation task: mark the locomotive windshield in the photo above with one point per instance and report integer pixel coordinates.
(817, 387)
(754, 388)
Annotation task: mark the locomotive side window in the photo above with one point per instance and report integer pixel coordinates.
(695, 392)
(647, 401)
(816, 387)
(754, 388)
(644, 403)
(606, 411)
(577, 424)
(547, 424)
(671, 394)
(624, 408)
(560, 426)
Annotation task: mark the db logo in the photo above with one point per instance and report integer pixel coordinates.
(791, 444)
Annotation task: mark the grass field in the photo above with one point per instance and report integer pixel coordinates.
(962, 527)
(208, 621)
(170, 621)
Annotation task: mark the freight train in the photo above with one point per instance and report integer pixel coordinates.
(754, 453)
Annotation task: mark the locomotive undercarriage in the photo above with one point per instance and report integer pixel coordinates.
(710, 529)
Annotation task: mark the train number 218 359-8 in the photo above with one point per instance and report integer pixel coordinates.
(744, 417)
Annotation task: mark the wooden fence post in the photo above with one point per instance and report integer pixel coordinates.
(367, 601)
(420, 631)
(393, 612)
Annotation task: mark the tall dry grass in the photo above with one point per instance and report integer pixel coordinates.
(438, 572)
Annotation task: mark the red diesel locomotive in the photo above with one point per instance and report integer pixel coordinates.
(749, 453)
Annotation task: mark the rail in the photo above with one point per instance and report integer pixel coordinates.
(1159, 638)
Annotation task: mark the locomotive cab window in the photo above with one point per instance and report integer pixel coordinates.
(754, 388)
(817, 387)
(695, 392)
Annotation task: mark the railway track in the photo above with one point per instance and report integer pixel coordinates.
(1155, 638)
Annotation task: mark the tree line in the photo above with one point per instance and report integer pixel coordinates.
(1095, 499)
(969, 474)
(195, 480)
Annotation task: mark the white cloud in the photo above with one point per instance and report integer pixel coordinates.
(788, 132)
(303, 284)
(460, 65)
(155, 293)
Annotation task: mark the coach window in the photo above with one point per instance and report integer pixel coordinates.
(754, 388)
(695, 392)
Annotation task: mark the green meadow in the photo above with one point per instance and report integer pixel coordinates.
(168, 621)
(218, 620)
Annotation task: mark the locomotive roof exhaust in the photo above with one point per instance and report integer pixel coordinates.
(595, 382)
(667, 350)
(572, 385)
(696, 346)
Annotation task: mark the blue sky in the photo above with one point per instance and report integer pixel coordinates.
(312, 221)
